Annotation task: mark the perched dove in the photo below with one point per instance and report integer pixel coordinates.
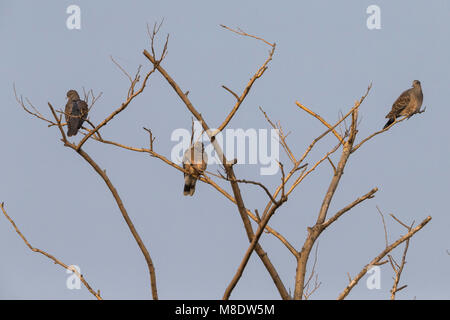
(194, 161)
(407, 104)
(76, 112)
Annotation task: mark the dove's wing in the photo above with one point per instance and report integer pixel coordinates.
(84, 109)
(187, 160)
(195, 158)
(400, 104)
(74, 121)
(68, 111)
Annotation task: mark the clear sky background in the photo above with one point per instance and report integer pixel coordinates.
(325, 58)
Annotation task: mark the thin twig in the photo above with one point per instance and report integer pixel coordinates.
(51, 257)
(242, 33)
(383, 253)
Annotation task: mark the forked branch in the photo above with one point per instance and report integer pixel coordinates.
(378, 258)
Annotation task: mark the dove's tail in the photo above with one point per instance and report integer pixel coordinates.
(72, 131)
(189, 186)
(391, 121)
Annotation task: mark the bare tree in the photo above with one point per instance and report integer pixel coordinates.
(301, 166)
(56, 121)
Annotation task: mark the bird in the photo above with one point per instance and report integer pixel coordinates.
(76, 112)
(194, 161)
(407, 104)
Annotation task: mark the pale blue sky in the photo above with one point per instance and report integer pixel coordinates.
(325, 58)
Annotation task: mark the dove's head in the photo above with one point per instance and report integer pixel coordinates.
(416, 84)
(73, 95)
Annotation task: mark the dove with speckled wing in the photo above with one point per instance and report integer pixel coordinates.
(76, 112)
(407, 104)
(194, 161)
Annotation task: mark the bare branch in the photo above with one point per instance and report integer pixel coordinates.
(118, 110)
(304, 175)
(398, 269)
(244, 94)
(251, 247)
(401, 223)
(203, 178)
(58, 121)
(232, 92)
(368, 195)
(127, 219)
(151, 137)
(116, 196)
(381, 256)
(332, 165)
(94, 99)
(384, 226)
(36, 113)
(313, 143)
(315, 231)
(306, 291)
(230, 173)
(281, 136)
(318, 117)
(242, 33)
(121, 69)
(51, 257)
(382, 130)
(247, 182)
